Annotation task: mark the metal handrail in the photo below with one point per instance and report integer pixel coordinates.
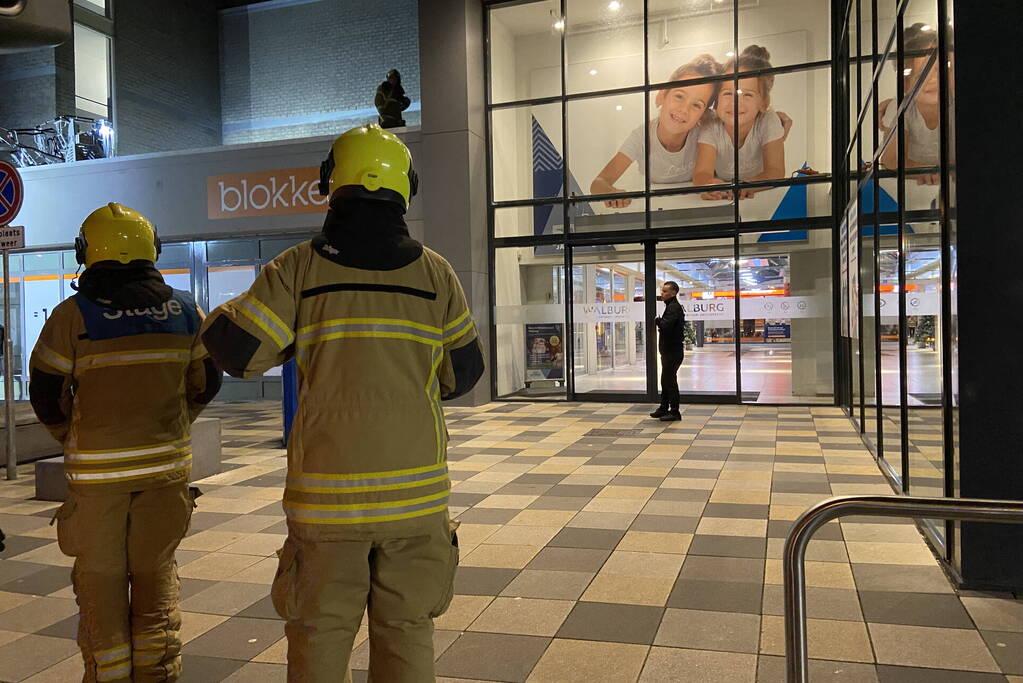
(964, 509)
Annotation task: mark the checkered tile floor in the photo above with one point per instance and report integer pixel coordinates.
(597, 545)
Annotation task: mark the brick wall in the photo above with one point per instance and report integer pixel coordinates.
(297, 68)
(28, 81)
(166, 75)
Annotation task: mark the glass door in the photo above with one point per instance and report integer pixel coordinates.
(704, 271)
(609, 327)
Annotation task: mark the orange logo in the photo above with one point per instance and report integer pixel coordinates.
(264, 193)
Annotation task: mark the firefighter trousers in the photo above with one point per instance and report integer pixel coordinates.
(126, 581)
(323, 587)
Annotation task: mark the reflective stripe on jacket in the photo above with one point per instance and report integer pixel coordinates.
(367, 453)
(119, 389)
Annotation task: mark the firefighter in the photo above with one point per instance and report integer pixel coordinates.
(382, 334)
(118, 375)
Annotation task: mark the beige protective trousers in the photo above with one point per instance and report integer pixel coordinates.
(126, 580)
(323, 587)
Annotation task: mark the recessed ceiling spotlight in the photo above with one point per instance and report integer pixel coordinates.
(927, 27)
(906, 72)
(729, 54)
(559, 25)
(614, 5)
(618, 107)
(593, 72)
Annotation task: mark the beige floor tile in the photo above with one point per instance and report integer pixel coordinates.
(740, 485)
(509, 502)
(741, 497)
(602, 520)
(249, 524)
(655, 542)
(264, 545)
(463, 611)
(817, 551)
(263, 572)
(194, 624)
(890, 553)
(688, 483)
(583, 661)
(786, 512)
(818, 574)
(996, 614)
(524, 535)
(275, 654)
(470, 486)
(500, 556)
(210, 540)
(227, 598)
(71, 669)
(237, 506)
(9, 637)
(861, 489)
(217, 566)
(720, 526)
(259, 671)
(37, 614)
(630, 590)
(643, 565)
(627, 492)
(845, 641)
(880, 533)
(673, 508)
(618, 505)
(666, 664)
(48, 554)
(945, 648)
(523, 616)
(587, 479)
(12, 600)
(558, 518)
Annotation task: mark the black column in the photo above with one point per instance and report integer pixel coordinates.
(988, 154)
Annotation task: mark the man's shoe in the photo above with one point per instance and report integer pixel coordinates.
(671, 416)
(660, 412)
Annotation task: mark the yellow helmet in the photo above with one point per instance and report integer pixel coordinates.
(371, 163)
(116, 233)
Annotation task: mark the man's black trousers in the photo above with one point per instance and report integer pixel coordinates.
(670, 363)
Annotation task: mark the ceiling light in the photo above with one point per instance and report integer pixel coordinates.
(729, 54)
(906, 72)
(593, 72)
(614, 5)
(927, 27)
(618, 107)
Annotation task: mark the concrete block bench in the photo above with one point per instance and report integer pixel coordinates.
(51, 483)
(33, 439)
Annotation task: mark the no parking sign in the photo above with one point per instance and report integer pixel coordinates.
(12, 192)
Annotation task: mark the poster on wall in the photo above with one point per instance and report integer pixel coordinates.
(545, 351)
(843, 249)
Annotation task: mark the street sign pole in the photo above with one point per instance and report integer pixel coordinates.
(12, 193)
(12, 455)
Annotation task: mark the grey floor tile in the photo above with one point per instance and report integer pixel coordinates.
(821, 603)
(887, 673)
(686, 495)
(728, 546)
(916, 609)
(736, 511)
(1007, 649)
(579, 537)
(261, 609)
(207, 520)
(779, 528)
(482, 580)
(570, 559)
(668, 523)
(16, 545)
(65, 628)
(574, 490)
(902, 578)
(738, 569)
(721, 596)
(488, 516)
(33, 653)
(771, 669)
(558, 503)
(43, 581)
(492, 657)
(709, 630)
(237, 638)
(465, 499)
(612, 623)
(198, 669)
(190, 587)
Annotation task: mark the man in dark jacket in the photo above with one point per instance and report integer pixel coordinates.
(390, 101)
(670, 329)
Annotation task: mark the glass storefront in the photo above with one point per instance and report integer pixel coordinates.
(899, 239)
(614, 168)
(213, 271)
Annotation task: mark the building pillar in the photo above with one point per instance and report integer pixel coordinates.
(452, 166)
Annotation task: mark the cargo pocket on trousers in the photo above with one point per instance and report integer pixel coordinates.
(65, 531)
(448, 588)
(282, 592)
(193, 494)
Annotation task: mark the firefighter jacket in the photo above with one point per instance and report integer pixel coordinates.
(377, 350)
(120, 389)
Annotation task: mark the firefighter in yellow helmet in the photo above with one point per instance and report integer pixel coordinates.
(382, 334)
(118, 375)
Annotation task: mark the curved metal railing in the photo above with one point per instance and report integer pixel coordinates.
(966, 509)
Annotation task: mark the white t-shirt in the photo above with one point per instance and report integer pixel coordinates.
(767, 128)
(665, 166)
(922, 143)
